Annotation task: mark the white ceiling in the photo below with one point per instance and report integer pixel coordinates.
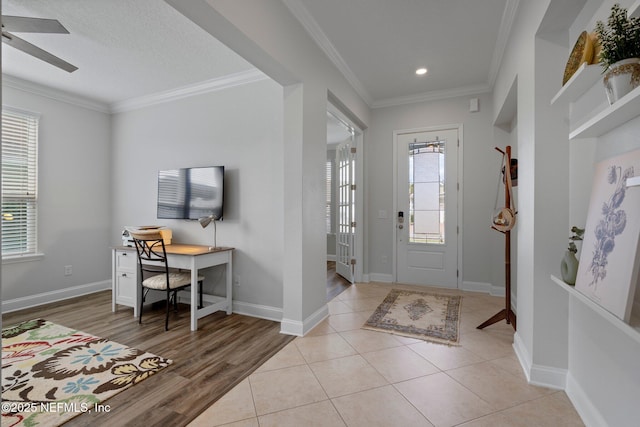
(128, 49)
(378, 44)
(123, 49)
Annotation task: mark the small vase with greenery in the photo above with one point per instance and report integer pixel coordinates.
(569, 264)
(577, 235)
(619, 40)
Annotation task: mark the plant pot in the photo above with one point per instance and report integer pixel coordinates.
(621, 78)
(569, 268)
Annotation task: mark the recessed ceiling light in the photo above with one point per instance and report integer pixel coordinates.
(421, 71)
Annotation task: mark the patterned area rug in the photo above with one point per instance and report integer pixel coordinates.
(422, 315)
(51, 374)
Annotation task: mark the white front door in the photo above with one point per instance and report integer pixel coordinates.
(345, 177)
(427, 207)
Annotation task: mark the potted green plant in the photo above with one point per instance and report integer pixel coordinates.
(619, 45)
(569, 264)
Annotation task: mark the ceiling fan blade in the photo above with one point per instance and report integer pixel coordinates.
(22, 24)
(33, 50)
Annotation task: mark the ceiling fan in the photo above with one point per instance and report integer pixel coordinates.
(21, 24)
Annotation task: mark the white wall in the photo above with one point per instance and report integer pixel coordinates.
(506, 134)
(73, 203)
(479, 172)
(266, 34)
(239, 128)
(542, 191)
(561, 341)
(604, 377)
(517, 65)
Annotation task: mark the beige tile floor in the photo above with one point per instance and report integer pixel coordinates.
(341, 375)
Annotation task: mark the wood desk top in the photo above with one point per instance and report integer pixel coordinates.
(184, 249)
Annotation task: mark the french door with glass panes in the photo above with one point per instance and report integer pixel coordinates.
(426, 214)
(345, 230)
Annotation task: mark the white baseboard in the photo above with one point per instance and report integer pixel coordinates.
(591, 417)
(549, 377)
(331, 257)
(539, 375)
(487, 288)
(523, 355)
(54, 296)
(257, 310)
(292, 327)
(240, 307)
(379, 277)
(297, 328)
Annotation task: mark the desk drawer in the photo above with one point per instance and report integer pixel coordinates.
(125, 289)
(125, 261)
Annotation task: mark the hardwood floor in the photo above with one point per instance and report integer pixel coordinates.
(207, 363)
(335, 283)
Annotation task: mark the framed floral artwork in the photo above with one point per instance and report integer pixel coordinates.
(608, 269)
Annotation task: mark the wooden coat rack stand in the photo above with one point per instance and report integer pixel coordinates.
(506, 313)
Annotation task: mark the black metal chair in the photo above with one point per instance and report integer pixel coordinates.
(155, 273)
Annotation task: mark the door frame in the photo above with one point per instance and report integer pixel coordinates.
(459, 128)
(358, 143)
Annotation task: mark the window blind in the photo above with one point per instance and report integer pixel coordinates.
(19, 182)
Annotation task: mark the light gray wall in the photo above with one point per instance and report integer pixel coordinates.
(479, 182)
(603, 357)
(73, 199)
(240, 128)
(273, 40)
(561, 341)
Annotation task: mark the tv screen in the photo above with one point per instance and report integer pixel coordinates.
(191, 193)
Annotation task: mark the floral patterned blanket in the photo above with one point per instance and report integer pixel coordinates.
(51, 373)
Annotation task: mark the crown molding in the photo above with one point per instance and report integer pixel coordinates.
(254, 75)
(219, 83)
(302, 14)
(55, 94)
(433, 96)
(508, 16)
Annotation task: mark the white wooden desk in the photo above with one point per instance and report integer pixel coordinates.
(191, 257)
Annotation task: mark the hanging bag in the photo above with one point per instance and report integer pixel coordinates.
(504, 218)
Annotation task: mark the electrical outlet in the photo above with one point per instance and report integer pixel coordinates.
(68, 270)
(384, 259)
(236, 280)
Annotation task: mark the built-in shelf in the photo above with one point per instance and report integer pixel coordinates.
(633, 181)
(582, 80)
(587, 75)
(623, 110)
(632, 330)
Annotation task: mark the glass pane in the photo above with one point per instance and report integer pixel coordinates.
(426, 192)
(426, 222)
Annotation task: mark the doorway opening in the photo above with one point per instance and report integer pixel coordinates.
(344, 218)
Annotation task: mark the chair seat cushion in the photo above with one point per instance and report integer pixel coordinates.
(176, 280)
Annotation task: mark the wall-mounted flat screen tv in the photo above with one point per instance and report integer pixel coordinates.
(191, 193)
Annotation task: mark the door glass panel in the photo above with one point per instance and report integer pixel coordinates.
(346, 206)
(426, 192)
